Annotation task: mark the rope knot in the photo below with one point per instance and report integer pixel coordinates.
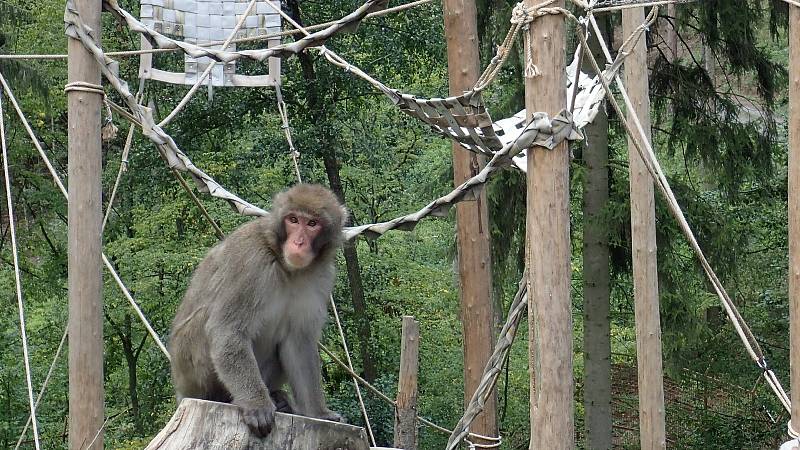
(522, 14)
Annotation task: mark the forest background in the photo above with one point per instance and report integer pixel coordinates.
(719, 112)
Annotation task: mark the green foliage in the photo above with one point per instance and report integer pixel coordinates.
(725, 164)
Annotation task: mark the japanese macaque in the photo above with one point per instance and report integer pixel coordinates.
(254, 311)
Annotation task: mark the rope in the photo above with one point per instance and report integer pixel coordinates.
(350, 366)
(619, 5)
(262, 37)
(577, 78)
(287, 131)
(645, 150)
(386, 398)
(123, 163)
(44, 386)
(17, 277)
(177, 175)
(83, 86)
(493, 366)
(211, 65)
(329, 54)
(57, 180)
(522, 16)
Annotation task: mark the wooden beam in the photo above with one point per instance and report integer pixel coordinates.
(643, 236)
(211, 425)
(548, 247)
(794, 209)
(474, 247)
(84, 241)
(405, 425)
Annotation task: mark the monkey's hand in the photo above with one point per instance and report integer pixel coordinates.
(260, 419)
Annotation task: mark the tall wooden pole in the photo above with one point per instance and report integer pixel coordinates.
(794, 210)
(548, 248)
(474, 249)
(405, 423)
(643, 236)
(84, 248)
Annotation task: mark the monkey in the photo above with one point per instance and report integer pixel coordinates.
(254, 310)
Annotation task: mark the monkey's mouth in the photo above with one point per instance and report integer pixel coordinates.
(297, 261)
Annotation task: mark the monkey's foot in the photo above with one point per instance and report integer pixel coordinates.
(333, 416)
(282, 402)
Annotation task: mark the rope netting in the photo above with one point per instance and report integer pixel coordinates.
(463, 118)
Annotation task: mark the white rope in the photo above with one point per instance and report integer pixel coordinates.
(83, 86)
(350, 366)
(17, 277)
(205, 73)
(329, 54)
(44, 385)
(123, 163)
(287, 131)
(57, 180)
(262, 37)
(640, 4)
(791, 431)
(135, 307)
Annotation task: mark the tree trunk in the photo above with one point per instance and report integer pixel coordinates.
(219, 426)
(131, 354)
(472, 221)
(794, 209)
(349, 248)
(354, 279)
(596, 290)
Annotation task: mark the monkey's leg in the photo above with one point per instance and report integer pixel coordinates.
(301, 362)
(274, 377)
(235, 364)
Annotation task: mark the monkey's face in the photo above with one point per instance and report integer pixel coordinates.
(301, 231)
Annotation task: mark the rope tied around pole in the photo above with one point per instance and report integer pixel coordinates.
(522, 16)
(82, 86)
(791, 431)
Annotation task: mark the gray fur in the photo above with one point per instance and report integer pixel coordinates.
(247, 324)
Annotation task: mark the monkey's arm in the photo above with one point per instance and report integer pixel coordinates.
(235, 363)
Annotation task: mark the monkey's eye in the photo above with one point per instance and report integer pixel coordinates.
(312, 223)
(293, 219)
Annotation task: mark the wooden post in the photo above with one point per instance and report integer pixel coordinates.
(84, 236)
(794, 210)
(643, 236)
(405, 424)
(548, 247)
(474, 250)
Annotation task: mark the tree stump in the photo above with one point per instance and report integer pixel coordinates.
(201, 424)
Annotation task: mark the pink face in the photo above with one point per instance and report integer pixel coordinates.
(301, 230)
